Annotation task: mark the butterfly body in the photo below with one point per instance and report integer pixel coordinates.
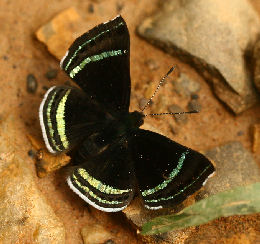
(114, 158)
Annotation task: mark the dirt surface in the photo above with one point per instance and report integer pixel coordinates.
(21, 54)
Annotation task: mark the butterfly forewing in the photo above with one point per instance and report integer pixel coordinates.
(98, 62)
(167, 172)
(106, 181)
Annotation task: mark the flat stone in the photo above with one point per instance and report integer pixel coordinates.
(256, 141)
(61, 31)
(235, 166)
(25, 216)
(212, 36)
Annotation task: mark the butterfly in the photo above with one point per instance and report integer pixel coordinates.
(115, 159)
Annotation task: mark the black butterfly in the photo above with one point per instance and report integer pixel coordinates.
(115, 159)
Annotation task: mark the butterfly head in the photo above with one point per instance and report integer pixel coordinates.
(136, 119)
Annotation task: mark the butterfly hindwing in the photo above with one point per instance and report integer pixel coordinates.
(66, 116)
(105, 181)
(167, 172)
(98, 61)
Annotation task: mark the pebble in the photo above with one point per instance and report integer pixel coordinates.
(31, 83)
(91, 8)
(109, 242)
(31, 153)
(119, 7)
(173, 130)
(194, 96)
(143, 101)
(185, 86)
(51, 74)
(180, 118)
(152, 65)
(67, 83)
(194, 105)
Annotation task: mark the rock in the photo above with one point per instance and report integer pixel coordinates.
(256, 142)
(25, 216)
(31, 83)
(256, 55)
(180, 118)
(47, 162)
(235, 166)
(214, 37)
(61, 31)
(185, 86)
(95, 234)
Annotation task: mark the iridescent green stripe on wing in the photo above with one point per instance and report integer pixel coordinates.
(88, 41)
(60, 114)
(98, 184)
(95, 58)
(172, 175)
(181, 191)
(92, 194)
(48, 114)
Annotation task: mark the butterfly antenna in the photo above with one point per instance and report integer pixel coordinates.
(160, 83)
(188, 112)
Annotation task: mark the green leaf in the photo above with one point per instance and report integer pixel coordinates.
(238, 201)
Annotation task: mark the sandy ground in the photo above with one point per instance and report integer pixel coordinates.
(21, 54)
